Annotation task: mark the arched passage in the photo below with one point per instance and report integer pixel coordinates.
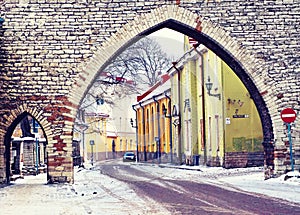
(235, 65)
(36, 147)
(261, 38)
(249, 70)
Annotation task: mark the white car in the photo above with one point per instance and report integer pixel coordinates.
(129, 156)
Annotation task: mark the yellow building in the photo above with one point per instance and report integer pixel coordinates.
(209, 115)
(219, 122)
(243, 135)
(153, 137)
(97, 143)
(211, 72)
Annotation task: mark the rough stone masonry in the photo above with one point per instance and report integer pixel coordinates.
(51, 51)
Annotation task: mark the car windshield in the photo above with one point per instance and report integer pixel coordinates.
(129, 153)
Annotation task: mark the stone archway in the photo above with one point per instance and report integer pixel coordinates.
(251, 71)
(17, 116)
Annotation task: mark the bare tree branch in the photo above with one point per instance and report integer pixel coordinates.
(135, 69)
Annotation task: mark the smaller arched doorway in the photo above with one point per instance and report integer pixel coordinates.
(25, 148)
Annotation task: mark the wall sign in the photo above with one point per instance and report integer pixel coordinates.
(227, 121)
(241, 116)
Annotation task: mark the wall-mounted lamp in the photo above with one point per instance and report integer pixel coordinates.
(209, 85)
(132, 125)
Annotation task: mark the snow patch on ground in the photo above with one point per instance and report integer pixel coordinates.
(111, 196)
(285, 187)
(95, 193)
(275, 187)
(251, 179)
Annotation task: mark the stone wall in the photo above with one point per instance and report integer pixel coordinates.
(51, 52)
(243, 159)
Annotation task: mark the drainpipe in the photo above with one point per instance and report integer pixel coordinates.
(158, 130)
(136, 134)
(203, 103)
(170, 126)
(144, 131)
(179, 111)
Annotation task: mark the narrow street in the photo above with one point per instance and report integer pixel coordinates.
(115, 187)
(196, 196)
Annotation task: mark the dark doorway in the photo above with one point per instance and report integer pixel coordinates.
(25, 148)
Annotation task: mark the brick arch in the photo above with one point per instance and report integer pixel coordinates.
(11, 122)
(250, 70)
(18, 114)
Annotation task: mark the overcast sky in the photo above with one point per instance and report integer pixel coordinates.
(171, 41)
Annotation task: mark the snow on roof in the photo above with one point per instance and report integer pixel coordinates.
(164, 84)
(160, 87)
(111, 134)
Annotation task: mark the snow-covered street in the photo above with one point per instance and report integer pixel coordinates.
(92, 193)
(252, 180)
(96, 193)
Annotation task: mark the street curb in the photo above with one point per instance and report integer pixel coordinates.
(170, 166)
(180, 167)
